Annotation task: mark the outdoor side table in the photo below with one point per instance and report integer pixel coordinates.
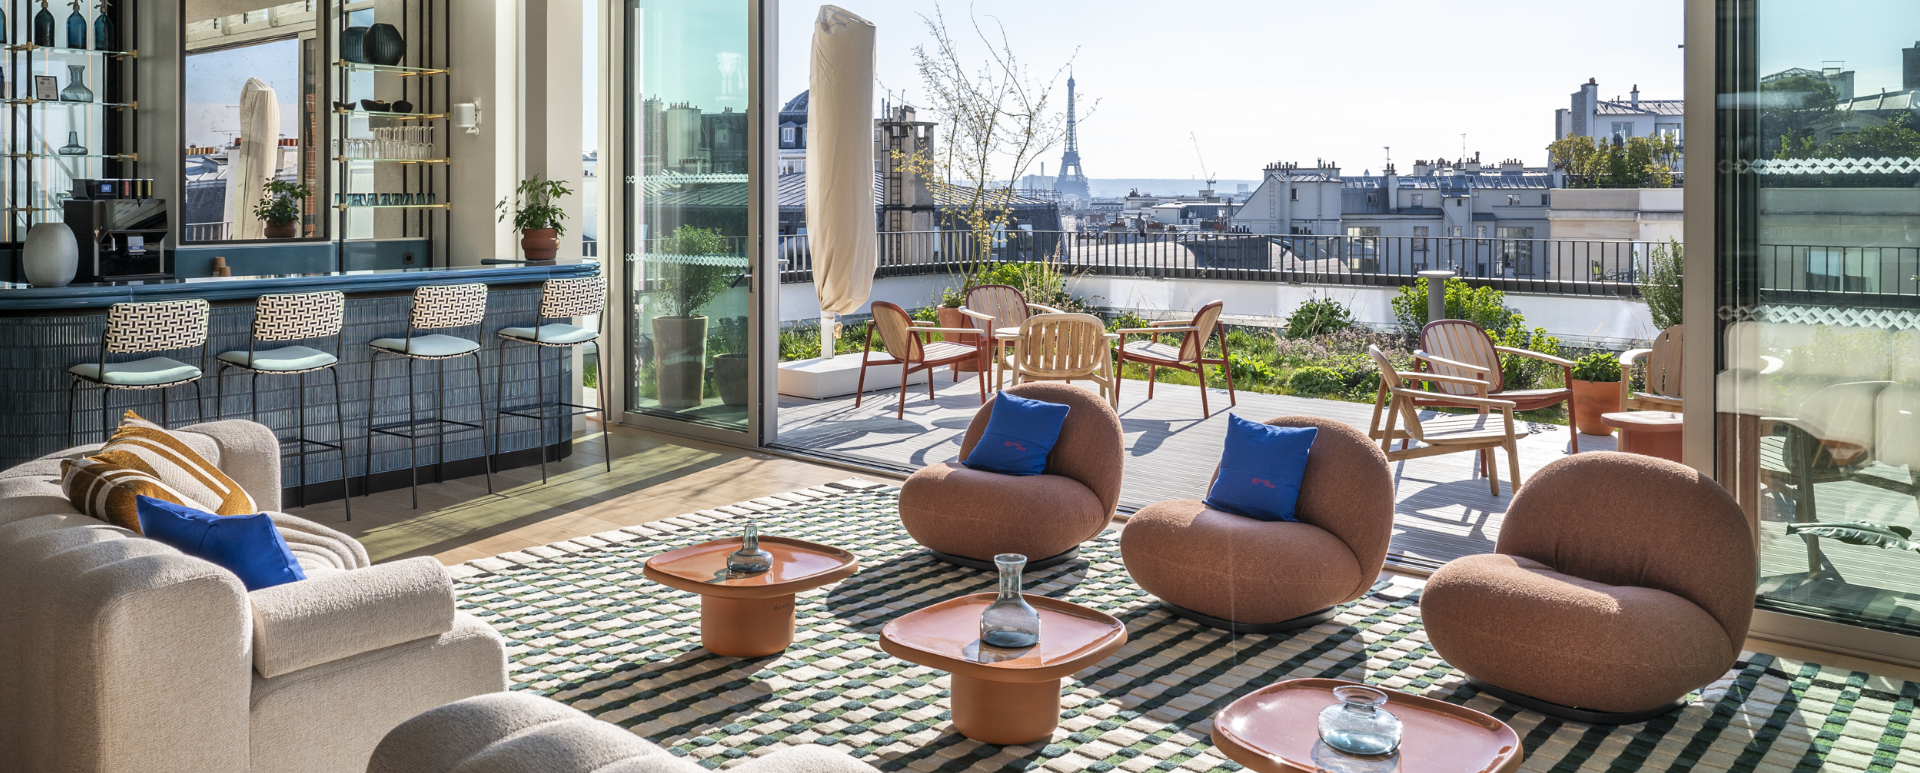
(1275, 729)
(750, 616)
(1003, 696)
(1648, 433)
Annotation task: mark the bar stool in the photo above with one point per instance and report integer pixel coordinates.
(435, 307)
(145, 328)
(293, 317)
(560, 299)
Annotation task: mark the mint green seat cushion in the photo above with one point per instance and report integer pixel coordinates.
(152, 371)
(284, 359)
(435, 345)
(555, 333)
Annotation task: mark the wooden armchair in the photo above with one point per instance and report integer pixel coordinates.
(1063, 347)
(1663, 373)
(1190, 355)
(1456, 347)
(997, 307)
(1396, 416)
(909, 344)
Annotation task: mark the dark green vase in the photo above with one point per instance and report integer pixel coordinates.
(384, 45)
(105, 36)
(76, 28)
(43, 26)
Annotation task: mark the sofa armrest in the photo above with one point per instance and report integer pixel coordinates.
(337, 615)
(315, 544)
(250, 455)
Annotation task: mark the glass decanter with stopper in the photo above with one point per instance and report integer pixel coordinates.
(1360, 724)
(1010, 622)
(749, 559)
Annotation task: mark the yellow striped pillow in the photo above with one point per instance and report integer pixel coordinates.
(143, 459)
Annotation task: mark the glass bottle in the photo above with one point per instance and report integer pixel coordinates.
(749, 559)
(3, 26)
(73, 146)
(76, 90)
(43, 26)
(1359, 724)
(76, 26)
(1010, 621)
(106, 37)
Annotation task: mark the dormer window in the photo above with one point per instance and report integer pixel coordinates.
(786, 135)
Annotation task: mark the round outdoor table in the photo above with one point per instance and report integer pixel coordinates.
(752, 615)
(1003, 696)
(1276, 729)
(1648, 433)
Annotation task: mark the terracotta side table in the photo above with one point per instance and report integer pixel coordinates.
(752, 616)
(1003, 697)
(1276, 729)
(1648, 433)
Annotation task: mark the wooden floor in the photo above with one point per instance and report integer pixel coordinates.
(1444, 510)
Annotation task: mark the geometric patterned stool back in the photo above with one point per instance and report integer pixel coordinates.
(298, 316)
(155, 327)
(443, 306)
(567, 298)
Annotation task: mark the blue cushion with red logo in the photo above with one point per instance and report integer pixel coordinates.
(1019, 435)
(1261, 470)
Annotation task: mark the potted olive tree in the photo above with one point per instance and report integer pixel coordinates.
(730, 365)
(679, 332)
(279, 208)
(540, 221)
(1596, 390)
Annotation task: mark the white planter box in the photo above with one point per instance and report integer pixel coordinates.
(821, 379)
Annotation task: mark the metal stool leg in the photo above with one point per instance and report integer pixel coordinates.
(166, 419)
(499, 398)
(439, 421)
(73, 392)
(373, 371)
(600, 392)
(253, 398)
(199, 403)
(482, 406)
(340, 438)
(220, 392)
(302, 399)
(540, 406)
(106, 429)
(413, 438)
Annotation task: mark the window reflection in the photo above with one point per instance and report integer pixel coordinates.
(251, 115)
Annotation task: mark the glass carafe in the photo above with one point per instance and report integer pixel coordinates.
(76, 90)
(73, 146)
(1360, 724)
(1010, 622)
(749, 559)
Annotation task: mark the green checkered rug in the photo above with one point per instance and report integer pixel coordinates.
(584, 627)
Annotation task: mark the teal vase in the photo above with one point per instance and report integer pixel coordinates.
(105, 36)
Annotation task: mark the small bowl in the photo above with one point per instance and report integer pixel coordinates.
(402, 106)
(375, 107)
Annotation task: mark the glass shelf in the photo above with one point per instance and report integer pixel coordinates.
(32, 101)
(398, 160)
(398, 116)
(390, 69)
(441, 205)
(122, 157)
(71, 51)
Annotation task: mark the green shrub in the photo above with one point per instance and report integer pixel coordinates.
(1527, 372)
(1663, 287)
(1598, 366)
(1126, 320)
(1318, 316)
(1483, 306)
(1250, 371)
(1314, 380)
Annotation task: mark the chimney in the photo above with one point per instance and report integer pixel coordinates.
(1910, 67)
(1636, 96)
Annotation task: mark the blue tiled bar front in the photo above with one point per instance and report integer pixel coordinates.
(45, 331)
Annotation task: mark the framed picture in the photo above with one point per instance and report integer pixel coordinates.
(46, 88)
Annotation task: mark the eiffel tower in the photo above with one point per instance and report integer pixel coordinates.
(1072, 182)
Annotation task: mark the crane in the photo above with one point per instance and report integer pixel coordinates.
(1203, 160)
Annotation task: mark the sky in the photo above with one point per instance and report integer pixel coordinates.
(1259, 81)
(215, 80)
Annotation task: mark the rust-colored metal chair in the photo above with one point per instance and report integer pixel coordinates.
(907, 343)
(1481, 432)
(994, 308)
(1456, 347)
(1063, 347)
(1190, 355)
(1663, 373)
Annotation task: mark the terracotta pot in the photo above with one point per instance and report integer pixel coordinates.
(1592, 398)
(730, 378)
(282, 230)
(680, 360)
(953, 318)
(540, 243)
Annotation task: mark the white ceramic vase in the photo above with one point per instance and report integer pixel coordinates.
(51, 255)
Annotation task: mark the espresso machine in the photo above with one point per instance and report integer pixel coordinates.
(120, 239)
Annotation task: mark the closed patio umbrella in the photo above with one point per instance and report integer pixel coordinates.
(840, 213)
(251, 166)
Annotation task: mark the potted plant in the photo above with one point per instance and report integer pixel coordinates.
(730, 365)
(1596, 390)
(949, 303)
(679, 333)
(539, 220)
(279, 208)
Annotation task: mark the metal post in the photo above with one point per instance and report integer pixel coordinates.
(1436, 294)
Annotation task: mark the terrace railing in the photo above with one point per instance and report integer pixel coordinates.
(1567, 267)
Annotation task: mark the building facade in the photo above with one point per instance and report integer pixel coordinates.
(1591, 116)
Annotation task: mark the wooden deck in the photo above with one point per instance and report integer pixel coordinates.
(1443, 511)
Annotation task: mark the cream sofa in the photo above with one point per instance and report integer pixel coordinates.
(118, 653)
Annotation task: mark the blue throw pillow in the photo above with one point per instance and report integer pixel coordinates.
(1019, 435)
(1261, 470)
(246, 545)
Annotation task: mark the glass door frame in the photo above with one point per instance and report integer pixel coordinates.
(620, 103)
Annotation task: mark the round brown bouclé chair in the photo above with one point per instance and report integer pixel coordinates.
(1596, 607)
(966, 516)
(1245, 575)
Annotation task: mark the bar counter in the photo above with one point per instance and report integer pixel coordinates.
(44, 331)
